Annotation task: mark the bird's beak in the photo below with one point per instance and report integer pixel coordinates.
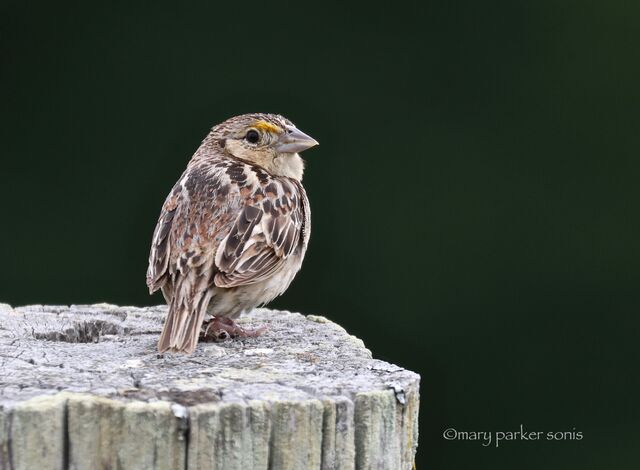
(294, 140)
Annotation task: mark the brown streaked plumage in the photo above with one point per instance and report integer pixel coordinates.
(234, 229)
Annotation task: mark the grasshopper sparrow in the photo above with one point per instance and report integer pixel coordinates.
(234, 229)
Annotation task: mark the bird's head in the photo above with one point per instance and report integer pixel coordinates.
(268, 140)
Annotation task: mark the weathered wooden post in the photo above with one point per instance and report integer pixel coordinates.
(83, 387)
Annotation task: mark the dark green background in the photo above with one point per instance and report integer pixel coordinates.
(475, 195)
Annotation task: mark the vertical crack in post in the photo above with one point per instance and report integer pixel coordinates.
(323, 434)
(271, 439)
(187, 437)
(10, 439)
(65, 435)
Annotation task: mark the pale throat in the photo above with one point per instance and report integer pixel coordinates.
(290, 165)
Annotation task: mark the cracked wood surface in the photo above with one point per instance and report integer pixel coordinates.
(84, 387)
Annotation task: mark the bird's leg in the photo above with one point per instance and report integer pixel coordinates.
(223, 328)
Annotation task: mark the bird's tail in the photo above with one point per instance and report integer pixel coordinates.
(182, 325)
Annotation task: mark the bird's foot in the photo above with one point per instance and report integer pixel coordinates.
(223, 328)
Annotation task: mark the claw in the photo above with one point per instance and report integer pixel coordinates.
(223, 329)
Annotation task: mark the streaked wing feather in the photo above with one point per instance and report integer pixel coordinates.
(160, 245)
(247, 230)
(267, 232)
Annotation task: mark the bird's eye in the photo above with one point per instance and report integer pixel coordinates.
(252, 136)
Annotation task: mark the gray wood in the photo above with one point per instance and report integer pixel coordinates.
(83, 387)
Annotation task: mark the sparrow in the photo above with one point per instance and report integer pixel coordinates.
(233, 231)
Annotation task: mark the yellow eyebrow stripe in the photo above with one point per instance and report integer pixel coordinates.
(267, 126)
